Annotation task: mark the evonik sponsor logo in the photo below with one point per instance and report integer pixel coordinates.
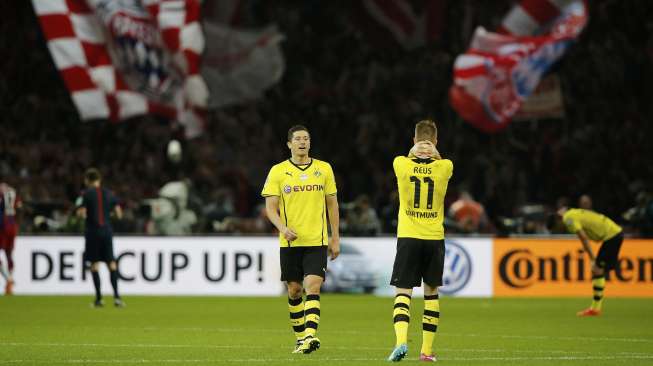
(303, 188)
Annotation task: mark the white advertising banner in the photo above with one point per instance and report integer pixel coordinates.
(247, 266)
(152, 266)
(366, 264)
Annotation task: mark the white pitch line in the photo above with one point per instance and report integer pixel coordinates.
(132, 345)
(327, 359)
(442, 334)
(210, 346)
(550, 358)
(598, 339)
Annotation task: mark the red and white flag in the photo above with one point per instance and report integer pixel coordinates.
(410, 24)
(532, 17)
(545, 102)
(500, 71)
(124, 58)
(238, 64)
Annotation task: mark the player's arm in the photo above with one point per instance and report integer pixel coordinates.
(334, 221)
(80, 209)
(586, 243)
(272, 210)
(424, 150)
(117, 210)
(436, 154)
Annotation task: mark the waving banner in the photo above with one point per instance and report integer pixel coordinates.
(124, 58)
(239, 65)
(500, 71)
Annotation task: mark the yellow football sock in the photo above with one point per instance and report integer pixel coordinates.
(296, 308)
(430, 322)
(598, 284)
(401, 317)
(312, 313)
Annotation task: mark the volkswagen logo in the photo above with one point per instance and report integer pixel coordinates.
(457, 268)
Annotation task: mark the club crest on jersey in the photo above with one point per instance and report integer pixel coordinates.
(317, 173)
(287, 189)
(303, 176)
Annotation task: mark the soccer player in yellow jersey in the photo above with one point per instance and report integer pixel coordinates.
(422, 179)
(299, 193)
(588, 224)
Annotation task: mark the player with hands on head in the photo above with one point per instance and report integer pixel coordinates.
(422, 180)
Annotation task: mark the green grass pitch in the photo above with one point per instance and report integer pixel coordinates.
(354, 330)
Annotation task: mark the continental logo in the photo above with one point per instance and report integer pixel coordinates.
(304, 188)
(520, 268)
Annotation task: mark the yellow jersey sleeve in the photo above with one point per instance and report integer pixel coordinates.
(447, 166)
(399, 165)
(271, 187)
(330, 180)
(572, 222)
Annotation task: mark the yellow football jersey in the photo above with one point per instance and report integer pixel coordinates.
(302, 190)
(422, 186)
(597, 227)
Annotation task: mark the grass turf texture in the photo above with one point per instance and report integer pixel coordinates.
(354, 329)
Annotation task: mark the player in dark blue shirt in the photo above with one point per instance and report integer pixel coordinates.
(96, 204)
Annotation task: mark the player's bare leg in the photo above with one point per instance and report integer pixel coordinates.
(3, 272)
(312, 283)
(95, 267)
(401, 319)
(5, 275)
(430, 321)
(8, 273)
(113, 270)
(9, 287)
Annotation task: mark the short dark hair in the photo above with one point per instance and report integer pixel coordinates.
(92, 175)
(296, 128)
(426, 130)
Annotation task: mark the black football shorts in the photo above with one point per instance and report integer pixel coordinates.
(98, 246)
(608, 256)
(418, 260)
(298, 262)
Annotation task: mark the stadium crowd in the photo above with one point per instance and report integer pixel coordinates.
(359, 98)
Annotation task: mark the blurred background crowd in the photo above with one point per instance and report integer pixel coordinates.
(360, 96)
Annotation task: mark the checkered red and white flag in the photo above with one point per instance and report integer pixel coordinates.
(124, 58)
